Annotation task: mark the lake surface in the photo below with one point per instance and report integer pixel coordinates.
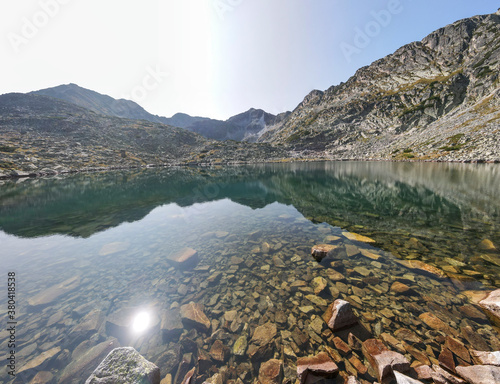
(91, 254)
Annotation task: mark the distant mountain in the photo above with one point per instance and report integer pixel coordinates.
(434, 99)
(99, 103)
(41, 134)
(246, 126)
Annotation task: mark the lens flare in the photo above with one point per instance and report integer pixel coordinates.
(141, 322)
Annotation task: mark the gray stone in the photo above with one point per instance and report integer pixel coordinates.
(480, 374)
(125, 366)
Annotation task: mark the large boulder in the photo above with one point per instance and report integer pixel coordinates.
(125, 366)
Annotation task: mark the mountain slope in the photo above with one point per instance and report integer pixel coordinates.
(99, 103)
(433, 99)
(245, 126)
(40, 134)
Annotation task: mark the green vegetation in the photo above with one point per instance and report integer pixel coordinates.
(407, 150)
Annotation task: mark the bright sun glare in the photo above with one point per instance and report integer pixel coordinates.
(141, 322)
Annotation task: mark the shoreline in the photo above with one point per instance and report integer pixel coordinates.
(24, 175)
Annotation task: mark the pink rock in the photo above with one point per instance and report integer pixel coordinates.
(321, 364)
(339, 315)
(492, 306)
(382, 360)
(480, 374)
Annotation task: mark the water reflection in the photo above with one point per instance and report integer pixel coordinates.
(94, 257)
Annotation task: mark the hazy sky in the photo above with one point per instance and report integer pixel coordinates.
(212, 58)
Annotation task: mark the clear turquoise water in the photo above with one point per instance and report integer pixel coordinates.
(114, 232)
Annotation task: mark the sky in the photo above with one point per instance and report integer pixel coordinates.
(212, 58)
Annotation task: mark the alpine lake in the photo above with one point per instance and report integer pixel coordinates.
(212, 268)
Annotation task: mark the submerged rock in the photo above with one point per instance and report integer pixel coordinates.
(37, 362)
(339, 315)
(85, 363)
(184, 259)
(192, 315)
(357, 237)
(53, 293)
(320, 251)
(125, 366)
(264, 334)
(271, 372)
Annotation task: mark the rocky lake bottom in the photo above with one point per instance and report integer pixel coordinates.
(233, 272)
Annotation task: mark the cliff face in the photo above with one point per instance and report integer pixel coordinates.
(433, 99)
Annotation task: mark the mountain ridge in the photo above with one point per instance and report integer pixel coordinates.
(403, 105)
(242, 127)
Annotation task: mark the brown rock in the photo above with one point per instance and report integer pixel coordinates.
(370, 255)
(219, 351)
(44, 357)
(51, 294)
(192, 315)
(480, 374)
(457, 348)
(407, 335)
(356, 363)
(333, 275)
(341, 346)
(318, 284)
(383, 361)
(417, 354)
(432, 321)
(491, 304)
(339, 315)
(487, 245)
(486, 358)
(184, 259)
(321, 365)
(474, 339)
(264, 334)
(320, 251)
(271, 372)
(446, 359)
(420, 266)
(42, 377)
(472, 312)
(235, 260)
(357, 237)
(400, 288)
